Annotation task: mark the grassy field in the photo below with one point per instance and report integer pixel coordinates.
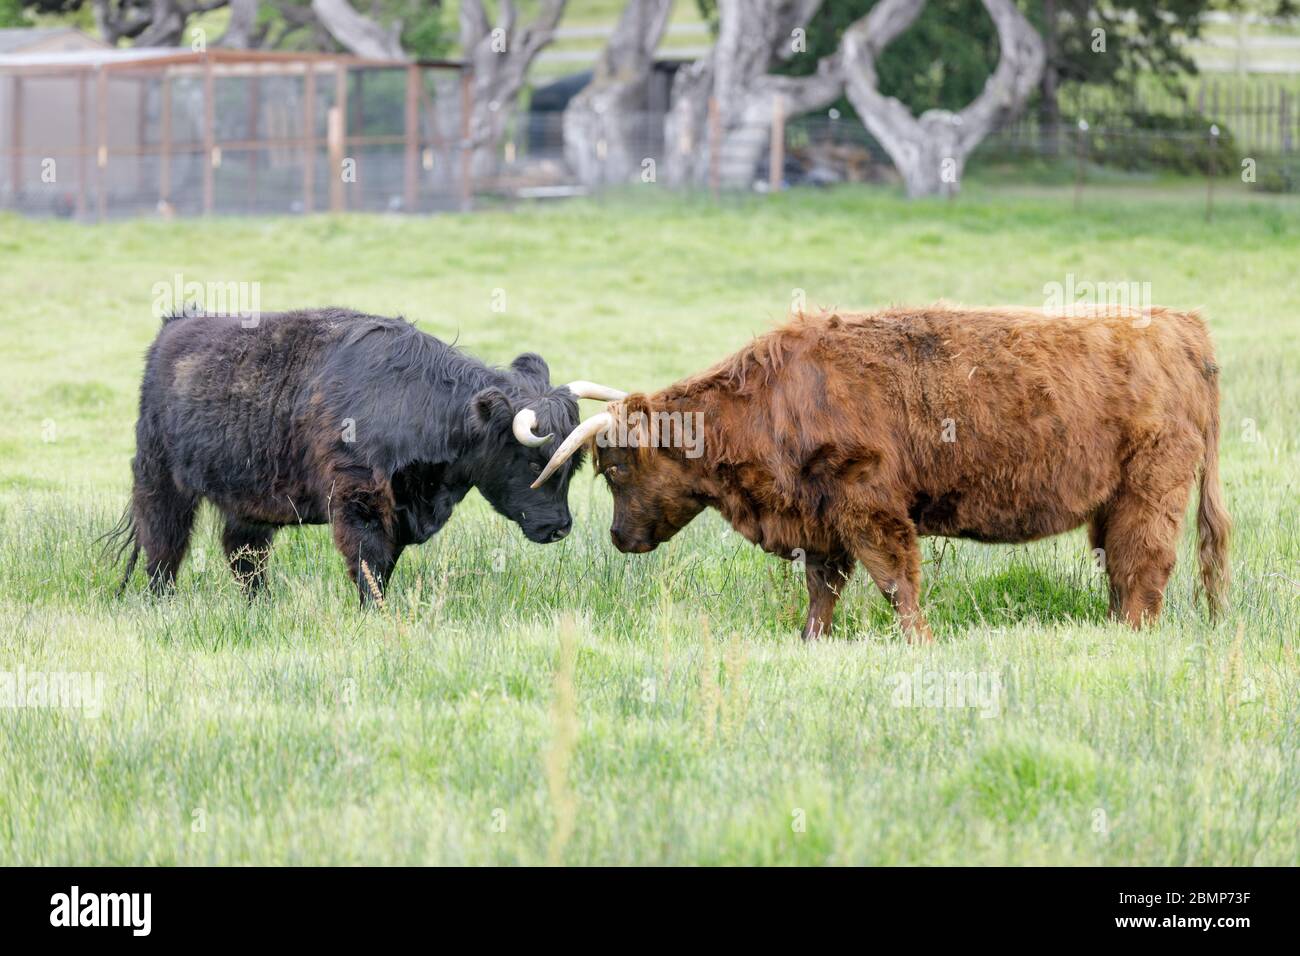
(520, 704)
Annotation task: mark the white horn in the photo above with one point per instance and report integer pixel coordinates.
(591, 390)
(524, 423)
(577, 438)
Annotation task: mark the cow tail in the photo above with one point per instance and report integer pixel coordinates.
(117, 542)
(1213, 526)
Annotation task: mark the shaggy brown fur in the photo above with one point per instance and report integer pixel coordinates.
(846, 437)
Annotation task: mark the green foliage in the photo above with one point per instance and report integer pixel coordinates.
(11, 14)
(940, 62)
(426, 34)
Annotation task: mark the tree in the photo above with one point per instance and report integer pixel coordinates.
(499, 57)
(389, 30)
(358, 33)
(752, 37)
(942, 60)
(601, 122)
(149, 22)
(930, 151)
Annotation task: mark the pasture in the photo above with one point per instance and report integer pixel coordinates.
(513, 703)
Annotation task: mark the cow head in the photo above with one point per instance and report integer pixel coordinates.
(653, 482)
(516, 424)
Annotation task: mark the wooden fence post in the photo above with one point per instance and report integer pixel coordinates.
(1284, 122)
(410, 192)
(466, 152)
(209, 135)
(83, 145)
(334, 141)
(165, 147)
(309, 139)
(16, 118)
(337, 136)
(101, 143)
(254, 115)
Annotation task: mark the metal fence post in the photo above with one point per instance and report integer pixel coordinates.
(1080, 150)
(1210, 164)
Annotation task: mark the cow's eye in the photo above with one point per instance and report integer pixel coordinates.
(613, 472)
(535, 468)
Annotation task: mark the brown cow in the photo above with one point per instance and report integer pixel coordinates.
(844, 438)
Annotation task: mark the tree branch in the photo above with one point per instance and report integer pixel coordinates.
(358, 33)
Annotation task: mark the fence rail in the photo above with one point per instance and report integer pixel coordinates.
(202, 136)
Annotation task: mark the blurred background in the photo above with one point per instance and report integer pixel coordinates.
(115, 108)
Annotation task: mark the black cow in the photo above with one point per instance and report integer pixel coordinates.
(329, 416)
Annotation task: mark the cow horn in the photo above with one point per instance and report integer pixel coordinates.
(524, 423)
(604, 393)
(576, 439)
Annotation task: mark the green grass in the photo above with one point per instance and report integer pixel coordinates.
(521, 704)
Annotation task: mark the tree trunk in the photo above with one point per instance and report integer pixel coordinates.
(499, 58)
(753, 35)
(930, 152)
(358, 33)
(162, 23)
(243, 21)
(603, 123)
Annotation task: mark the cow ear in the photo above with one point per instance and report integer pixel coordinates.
(490, 409)
(532, 366)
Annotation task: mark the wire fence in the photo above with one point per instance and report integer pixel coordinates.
(224, 134)
(236, 134)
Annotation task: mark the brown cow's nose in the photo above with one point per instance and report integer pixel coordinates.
(617, 537)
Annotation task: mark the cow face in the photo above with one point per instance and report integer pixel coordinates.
(654, 493)
(504, 467)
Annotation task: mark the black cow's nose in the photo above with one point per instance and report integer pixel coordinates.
(559, 531)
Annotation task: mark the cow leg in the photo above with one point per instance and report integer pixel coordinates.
(248, 549)
(887, 547)
(826, 576)
(1141, 548)
(164, 517)
(364, 533)
(1143, 523)
(1097, 540)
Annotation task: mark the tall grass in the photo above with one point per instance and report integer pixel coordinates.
(520, 704)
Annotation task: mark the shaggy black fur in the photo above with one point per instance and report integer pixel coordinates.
(329, 416)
